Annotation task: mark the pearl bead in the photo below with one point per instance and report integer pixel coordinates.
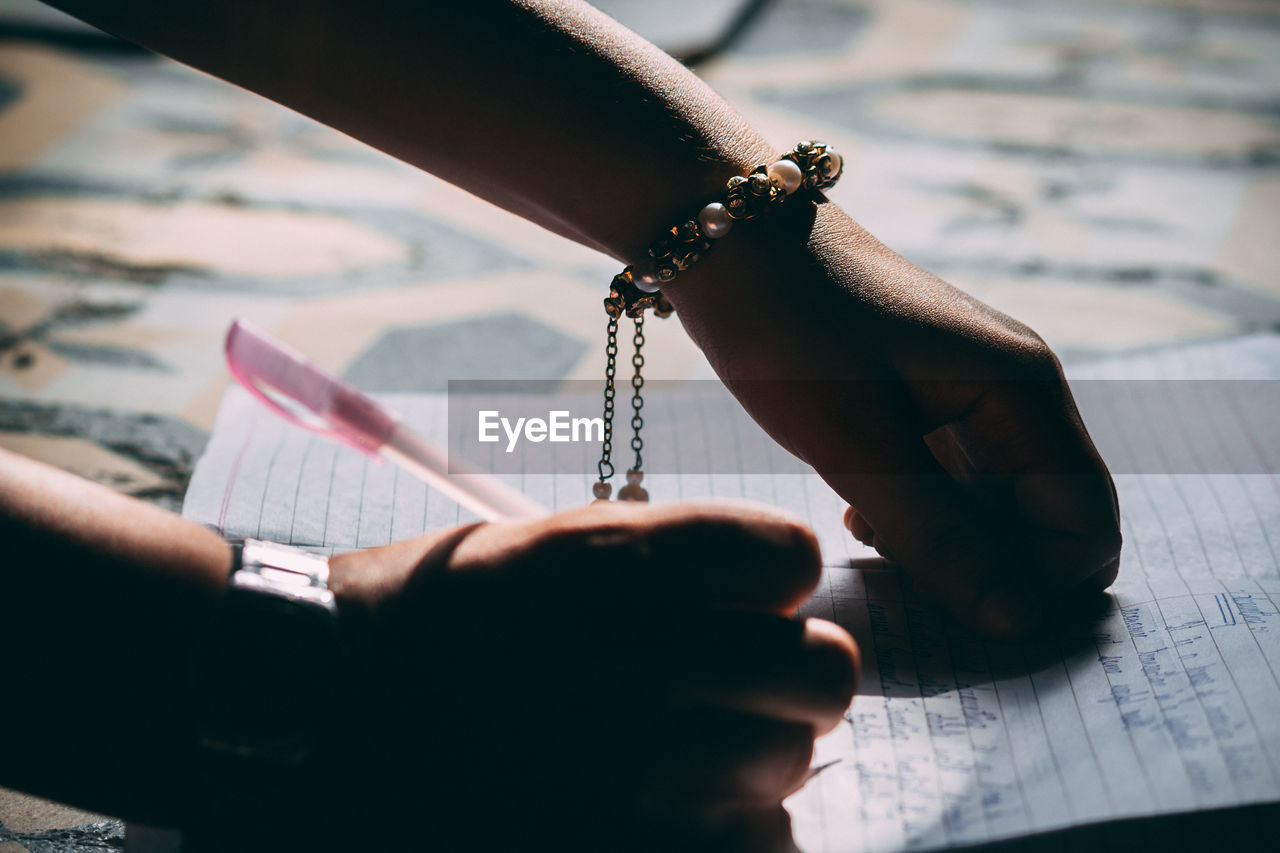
(644, 276)
(715, 220)
(634, 477)
(786, 175)
(602, 490)
(835, 165)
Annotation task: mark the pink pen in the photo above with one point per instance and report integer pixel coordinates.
(343, 413)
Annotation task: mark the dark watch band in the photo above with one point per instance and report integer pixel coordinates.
(263, 687)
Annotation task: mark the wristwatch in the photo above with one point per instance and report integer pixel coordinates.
(264, 683)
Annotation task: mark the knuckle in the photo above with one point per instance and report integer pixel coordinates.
(788, 546)
(1025, 355)
(618, 540)
(1037, 361)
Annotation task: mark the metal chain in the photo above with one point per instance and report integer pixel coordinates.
(611, 368)
(637, 383)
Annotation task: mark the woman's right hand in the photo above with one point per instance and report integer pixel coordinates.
(946, 425)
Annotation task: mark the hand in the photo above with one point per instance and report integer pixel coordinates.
(946, 425)
(613, 660)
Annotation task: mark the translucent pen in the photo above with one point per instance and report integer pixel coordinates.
(270, 370)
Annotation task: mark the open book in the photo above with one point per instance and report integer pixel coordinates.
(1169, 701)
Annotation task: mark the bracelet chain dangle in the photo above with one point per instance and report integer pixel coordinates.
(812, 166)
(605, 467)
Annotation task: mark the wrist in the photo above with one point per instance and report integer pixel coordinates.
(758, 275)
(363, 582)
(692, 178)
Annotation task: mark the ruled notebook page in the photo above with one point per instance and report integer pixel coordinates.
(1168, 701)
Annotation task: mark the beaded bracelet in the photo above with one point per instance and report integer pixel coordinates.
(638, 288)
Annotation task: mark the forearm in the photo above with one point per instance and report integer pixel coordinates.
(99, 597)
(551, 110)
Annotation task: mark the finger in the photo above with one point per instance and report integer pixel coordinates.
(1031, 434)
(710, 756)
(801, 672)
(935, 535)
(1007, 404)
(863, 532)
(918, 512)
(1104, 577)
(680, 554)
(858, 526)
(926, 520)
(883, 549)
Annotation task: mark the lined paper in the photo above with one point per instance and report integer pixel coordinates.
(1168, 701)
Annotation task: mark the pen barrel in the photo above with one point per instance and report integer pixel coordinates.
(482, 493)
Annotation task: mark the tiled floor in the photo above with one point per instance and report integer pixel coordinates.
(1107, 171)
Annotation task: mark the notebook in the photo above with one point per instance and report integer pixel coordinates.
(1167, 702)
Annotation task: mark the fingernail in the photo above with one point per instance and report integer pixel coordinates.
(1008, 613)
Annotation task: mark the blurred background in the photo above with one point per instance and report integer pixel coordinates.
(1107, 171)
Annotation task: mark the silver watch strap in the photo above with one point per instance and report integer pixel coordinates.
(283, 570)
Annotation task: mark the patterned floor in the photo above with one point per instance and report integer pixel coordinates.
(1107, 170)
